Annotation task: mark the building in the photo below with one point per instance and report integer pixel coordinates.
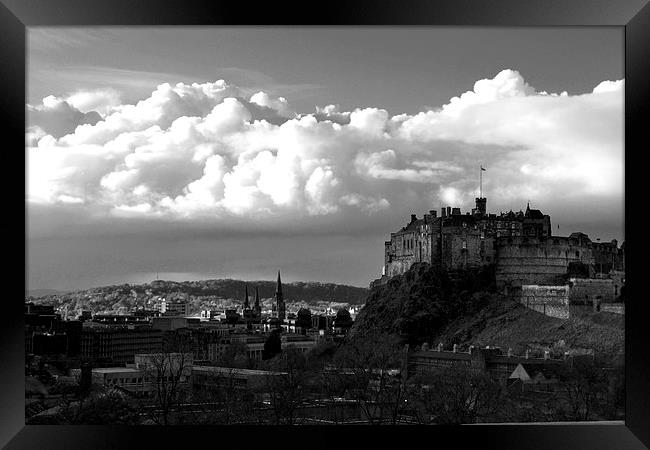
(454, 240)
(168, 323)
(490, 361)
(534, 372)
(47, 334)
(178, 307)
(141, 377)
(118, 344)
(120, 319)
(208, 378)
(127, 378)
(519, 245)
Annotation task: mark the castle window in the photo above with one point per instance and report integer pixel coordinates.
(464, 245)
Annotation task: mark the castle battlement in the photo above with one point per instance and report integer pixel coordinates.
(519, 244)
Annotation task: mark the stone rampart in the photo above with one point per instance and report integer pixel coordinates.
(552, 301)
(585, 290)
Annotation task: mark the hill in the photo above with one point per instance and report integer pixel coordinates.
(426, 306)
(507, 324)
(42, 292)
(203, 294)
(422, 301)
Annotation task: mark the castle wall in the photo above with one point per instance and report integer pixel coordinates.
(461, 248)
(552, 301)
(615, 308)
(522, 260)
(585, 290)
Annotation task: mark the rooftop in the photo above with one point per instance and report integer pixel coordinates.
(234, 371)
(115, 370)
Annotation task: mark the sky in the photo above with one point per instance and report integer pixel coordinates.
(217, 152)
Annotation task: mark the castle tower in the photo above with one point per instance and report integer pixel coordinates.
(246, 304)
(279, 299)
(481, 206)
(481, 202)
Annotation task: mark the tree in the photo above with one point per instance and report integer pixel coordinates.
(583, 384)
(304, 318)
(287, 390)
(273, 345)
(369, 371)
(101, 407)
(343, 319)
(168, 373)
(454, 395)
(236, 355)
(223, 401)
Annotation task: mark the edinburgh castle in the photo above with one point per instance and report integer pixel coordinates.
(520, 245)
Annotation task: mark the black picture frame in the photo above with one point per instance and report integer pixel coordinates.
(633, 15)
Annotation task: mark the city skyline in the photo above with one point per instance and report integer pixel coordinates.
(239, 177)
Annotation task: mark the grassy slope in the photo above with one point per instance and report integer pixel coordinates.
(425, 306)
(505, 323)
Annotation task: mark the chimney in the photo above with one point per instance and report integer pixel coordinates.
(455, 350)
(443, 212)
(440, 347)
(433, 213)
(455, 211)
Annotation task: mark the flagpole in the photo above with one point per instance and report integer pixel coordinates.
(480, 172)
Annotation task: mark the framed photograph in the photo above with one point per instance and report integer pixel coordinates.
(249, 222)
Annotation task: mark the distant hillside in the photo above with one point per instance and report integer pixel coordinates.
(423, 305)
(42, 292)
(200, 294)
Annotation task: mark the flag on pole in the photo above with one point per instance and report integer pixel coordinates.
(482, 168)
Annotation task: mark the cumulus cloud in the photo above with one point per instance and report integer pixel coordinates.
(102, 101)
(58, 117)
(212, 152)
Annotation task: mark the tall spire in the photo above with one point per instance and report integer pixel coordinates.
(278, 289)
(279, 299)
(257, 298)
(246, 305)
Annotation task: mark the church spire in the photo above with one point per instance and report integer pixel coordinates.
(257, 298)
(278, 289)
(246, 305)
(279, 299)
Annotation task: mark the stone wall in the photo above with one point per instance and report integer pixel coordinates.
(586, 290)
(552, 301)
(465, 247)
(616, 308)
(522, 260)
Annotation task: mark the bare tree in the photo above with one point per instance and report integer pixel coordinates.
(287, 391)
(222, 401)
(583, 384)
(168, 373)
(454, 395)
(370, 369)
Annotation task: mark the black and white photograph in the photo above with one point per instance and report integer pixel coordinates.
(274, 225)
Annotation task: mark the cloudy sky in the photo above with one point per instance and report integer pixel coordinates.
(232, 152)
